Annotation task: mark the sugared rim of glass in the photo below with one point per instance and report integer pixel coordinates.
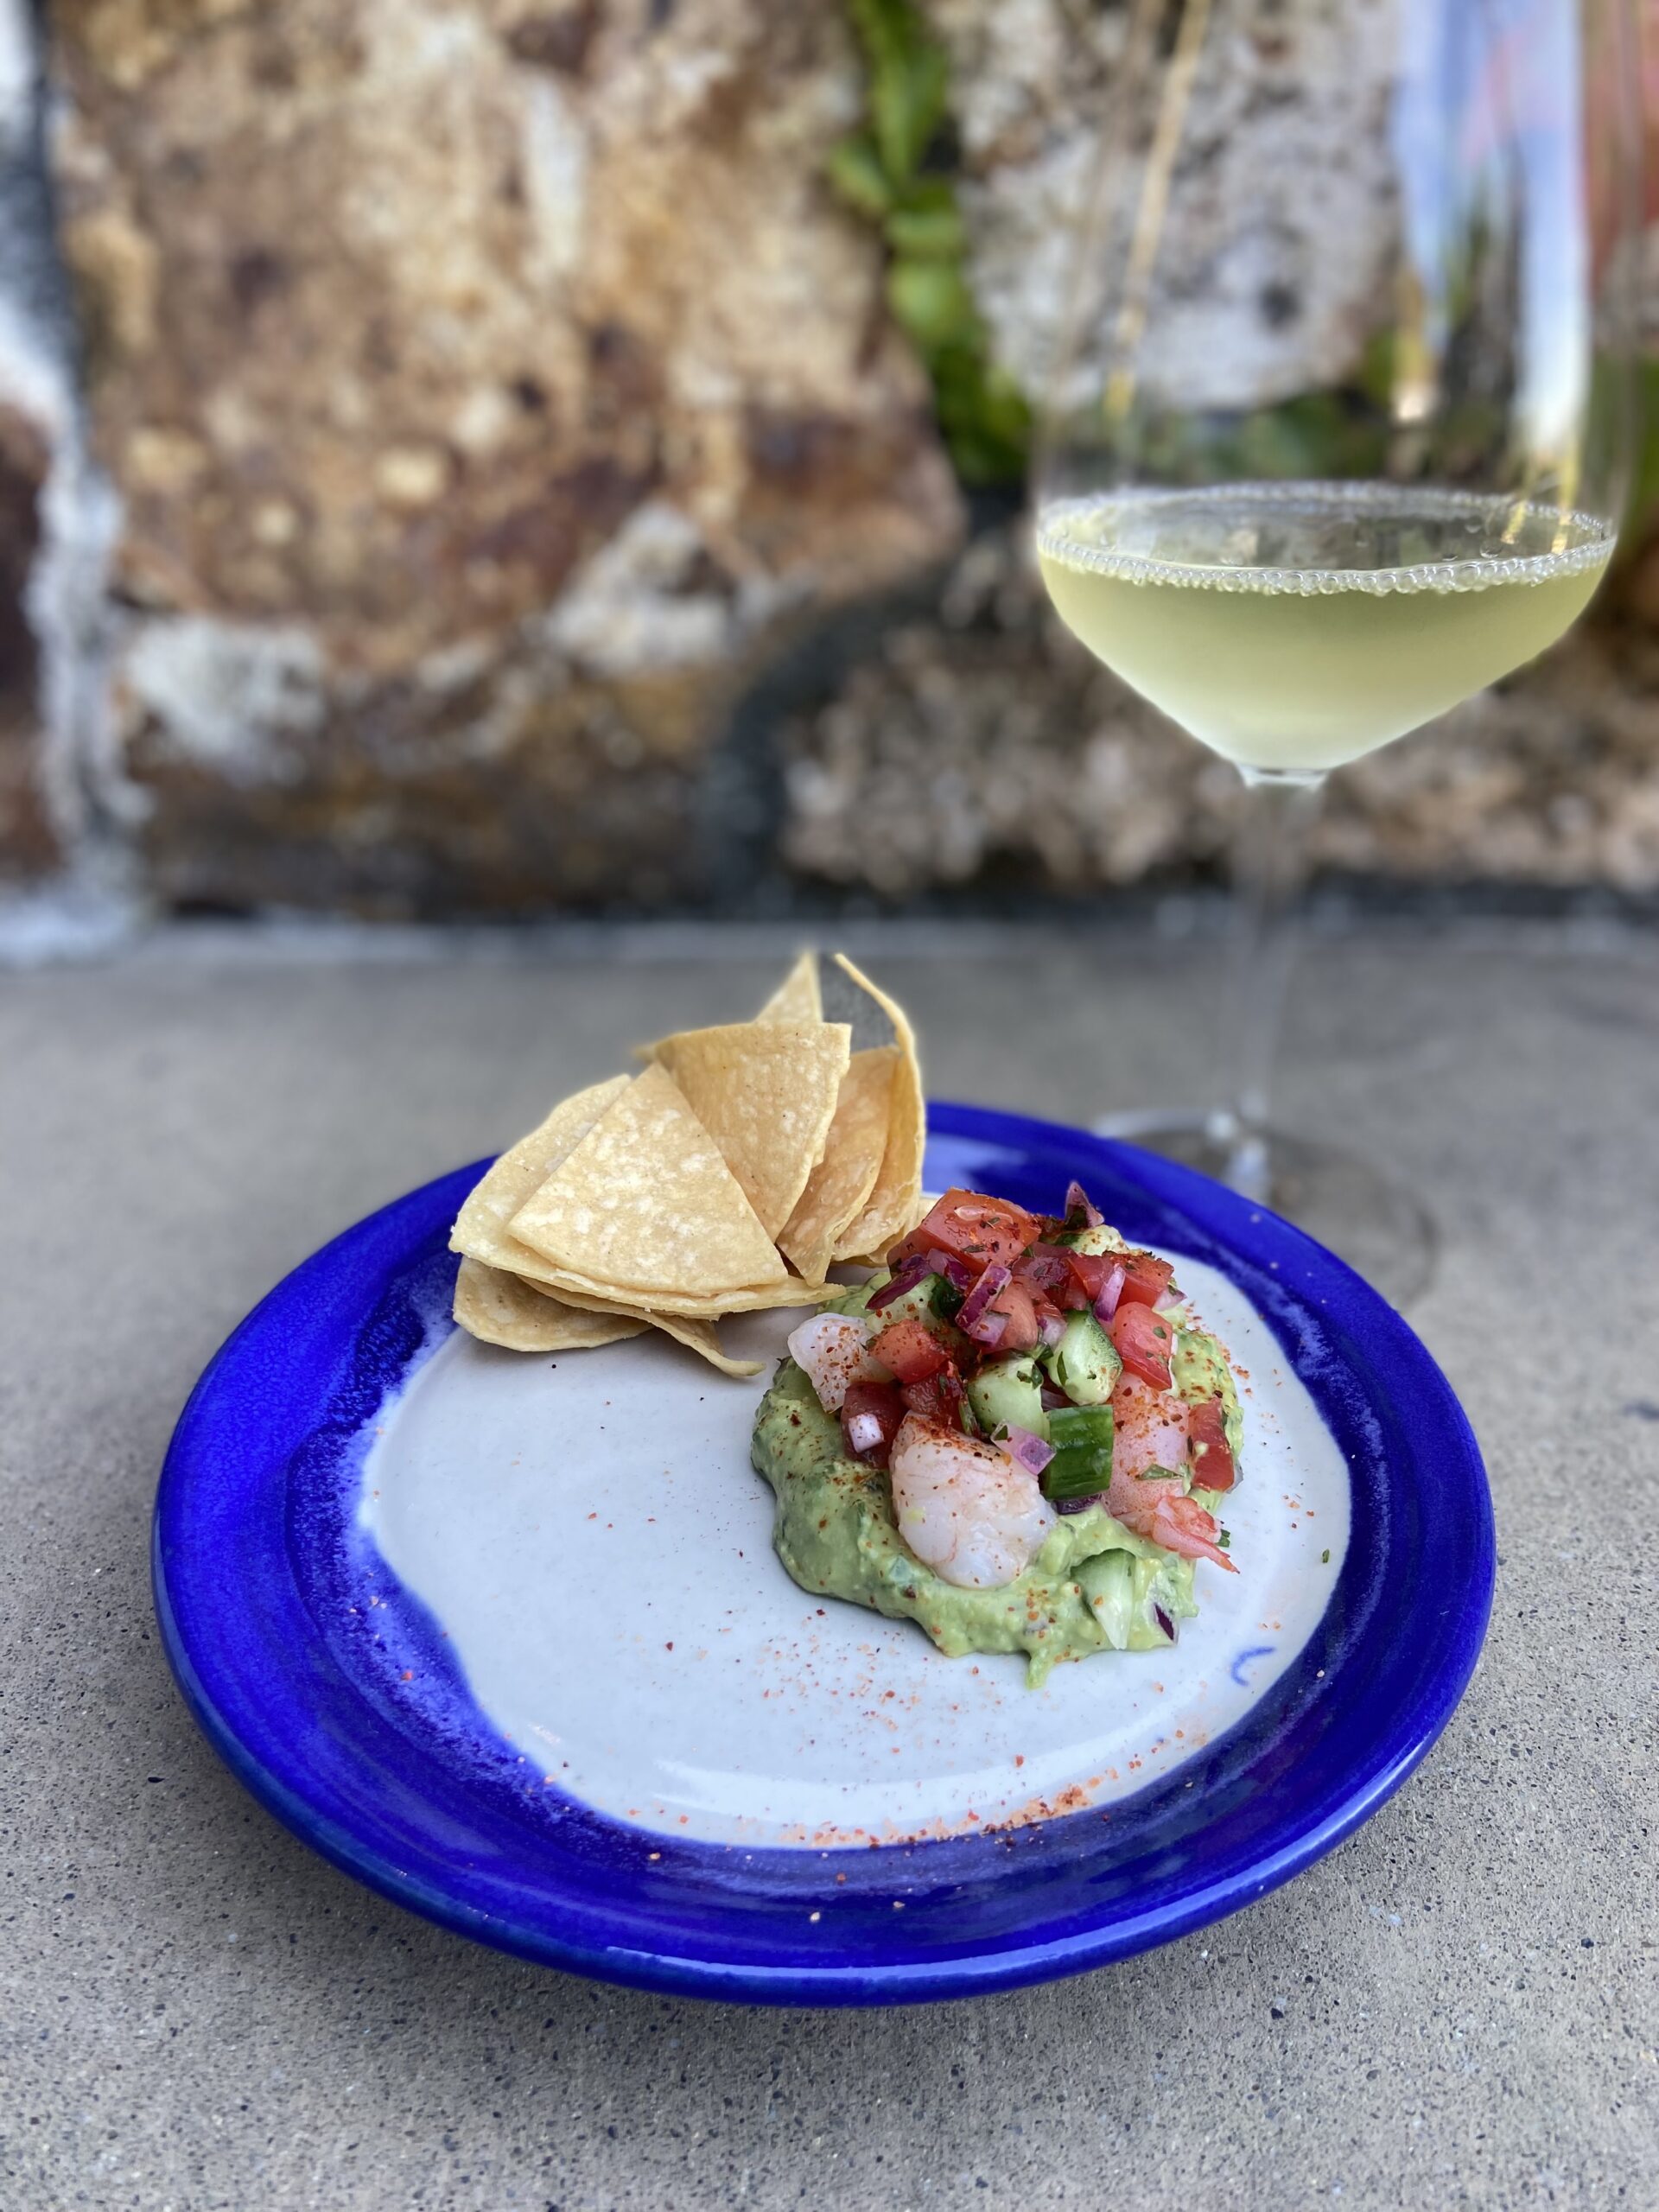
(1584, 541)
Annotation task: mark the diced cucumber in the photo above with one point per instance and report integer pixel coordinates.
(1082, 1465)
(932, 1302)
(1108, 1582)
(917, 1304)
(1105, 1238)
(1007, 1393)
(1086, 1363)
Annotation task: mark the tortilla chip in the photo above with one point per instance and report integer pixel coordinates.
(700, 1337)
(797, 998)
(895, 1206)
(840, 1187)
(578, 1289)
(499, 1309)
(503, 1309)
(481, 1229)
(646, 1203)
(766, 1092)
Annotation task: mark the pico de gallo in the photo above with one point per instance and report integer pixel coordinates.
(1007, 1368)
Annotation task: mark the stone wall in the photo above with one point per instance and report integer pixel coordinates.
(486, 390)
(35, 822)
(468, 466)
(981, 745)
(29, 841)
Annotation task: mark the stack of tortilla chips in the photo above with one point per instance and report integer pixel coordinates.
(731, 1175)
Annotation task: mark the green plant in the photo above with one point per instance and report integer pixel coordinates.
(893, 172)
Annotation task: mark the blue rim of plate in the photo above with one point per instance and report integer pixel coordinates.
(259, 1482)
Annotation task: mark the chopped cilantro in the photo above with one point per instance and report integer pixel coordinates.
(1324, 1559)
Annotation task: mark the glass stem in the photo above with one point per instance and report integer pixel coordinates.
(1270, 869)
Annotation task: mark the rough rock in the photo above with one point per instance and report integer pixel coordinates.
(986, 745)
(487, 387)
(28, 835)
(1240, 316)
(490, 390)
(35, 802)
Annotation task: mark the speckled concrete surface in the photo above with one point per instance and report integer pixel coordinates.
(1460, 2007)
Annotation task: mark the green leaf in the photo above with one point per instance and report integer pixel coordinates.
(927, 233)
(855, 171)
(931, 300)
(1003, 408)
(907, 105)
(885, 29)
(928, 196)
(983, 415)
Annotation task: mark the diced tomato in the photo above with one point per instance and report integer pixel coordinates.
(1145, 1341)
(1212, 1460)
(867, 1402)
(1091, 1270)
(1048, 1269)
(1074, 1279)
(1015, 1300)
(910, 1351)
(937, 1397)
(1146, 1279)
(976, 1229)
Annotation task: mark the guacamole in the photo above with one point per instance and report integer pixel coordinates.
(1093, 1586)
(1198, 1369)
(1005, 1436)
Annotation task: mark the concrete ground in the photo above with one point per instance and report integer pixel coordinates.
(1458, 2008)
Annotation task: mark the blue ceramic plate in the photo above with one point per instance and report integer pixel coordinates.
(630, 1747)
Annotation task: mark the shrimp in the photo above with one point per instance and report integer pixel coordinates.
(1179, 1524)
(1152, 1431)
(966, 1509)
(1149, 1430)
(834, 1348)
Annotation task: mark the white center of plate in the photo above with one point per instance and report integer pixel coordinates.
(589, 1533)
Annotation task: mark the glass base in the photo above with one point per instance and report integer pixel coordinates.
(1339, 1198)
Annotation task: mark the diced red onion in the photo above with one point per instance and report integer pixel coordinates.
(975, 1319)
(1053, 1326)
(1027, 1451)
(994, 1279)
(1169, 1296)
(956, 1272)
(1047, 1271)
(1077, 1505)
(909, 1274)
(1110, 1291)
(1053, 1398)
(863, 1432)
(1077, 1198)
(1164, 1623)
